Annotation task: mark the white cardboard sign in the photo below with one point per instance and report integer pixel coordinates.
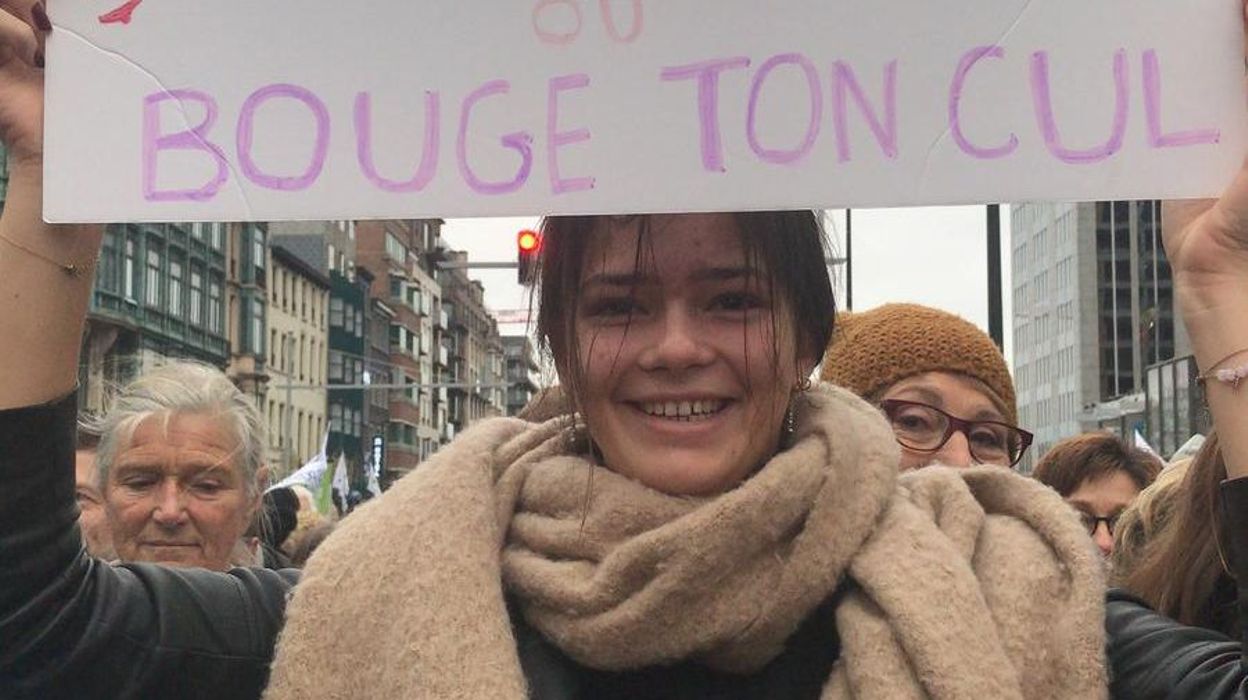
(320, 109)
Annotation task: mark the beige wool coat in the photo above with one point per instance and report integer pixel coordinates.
(964, 584)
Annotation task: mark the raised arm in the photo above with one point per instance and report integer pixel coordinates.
(1207, 246)
(45, 271)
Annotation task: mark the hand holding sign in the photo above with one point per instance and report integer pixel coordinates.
(23, 25)
(1207, 245)
(591, 106)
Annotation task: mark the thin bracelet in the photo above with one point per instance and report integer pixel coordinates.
(70, 269)
(1227, 375)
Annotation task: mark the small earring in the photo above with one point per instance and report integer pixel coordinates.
(803, 385)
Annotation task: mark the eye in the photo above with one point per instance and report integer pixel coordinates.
(208, 487)
(138, 482)
(736, 301)
(989, 438)
(612, 307)
(914, 420)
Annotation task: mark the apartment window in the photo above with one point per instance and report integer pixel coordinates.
(131, 265)
(359, 323)
(335, 366)
(330, 257)
(176, 279)
(349, 321)
(215, 306)
(257, 326)
(218, 237)
(335, 418)
(395, 249)
(152, 281)
(335, 313)
(197, 296)
(257, 252)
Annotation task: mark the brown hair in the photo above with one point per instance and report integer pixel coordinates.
(1092, 456)
(1180, 571)
(786, 249)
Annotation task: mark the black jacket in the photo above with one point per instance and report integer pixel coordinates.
(73, 627)
(1152, 656)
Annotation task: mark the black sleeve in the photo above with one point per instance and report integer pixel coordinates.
(72, 626)
(1152, 656)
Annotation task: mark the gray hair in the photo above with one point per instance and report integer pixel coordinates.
(178, 388)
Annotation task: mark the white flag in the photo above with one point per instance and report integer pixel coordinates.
(341, 482)
(374, 487)
(310, 474)
(1141, 443)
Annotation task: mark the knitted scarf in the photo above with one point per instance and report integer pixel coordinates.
(967, 584)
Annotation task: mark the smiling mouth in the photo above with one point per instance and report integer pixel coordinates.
(687, 411)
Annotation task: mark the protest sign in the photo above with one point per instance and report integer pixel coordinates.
(311, 109)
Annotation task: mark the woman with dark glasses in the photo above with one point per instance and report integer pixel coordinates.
(1099, 475)
(941, 381)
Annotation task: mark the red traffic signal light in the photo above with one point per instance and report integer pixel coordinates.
(528, 245)
(528, 241)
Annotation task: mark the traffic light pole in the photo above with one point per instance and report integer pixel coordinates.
(995, 321)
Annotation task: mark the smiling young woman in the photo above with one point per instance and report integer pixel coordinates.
(700, 523)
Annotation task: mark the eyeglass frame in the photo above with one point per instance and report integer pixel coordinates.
(957, 425)
(1110, 521)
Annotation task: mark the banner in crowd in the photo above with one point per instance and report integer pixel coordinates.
(315, 109)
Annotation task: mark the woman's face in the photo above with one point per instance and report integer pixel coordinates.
(682, 388)
(955, 394)
(176, 494)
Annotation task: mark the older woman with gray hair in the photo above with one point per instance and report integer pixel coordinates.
(181, 464)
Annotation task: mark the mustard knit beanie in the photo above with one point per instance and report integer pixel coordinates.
(875, 349)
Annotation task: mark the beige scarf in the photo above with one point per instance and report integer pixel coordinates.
(969, 585)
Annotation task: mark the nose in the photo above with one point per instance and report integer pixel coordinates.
(169, 512)
(1103, 539)
(679, 345)
(956, 452)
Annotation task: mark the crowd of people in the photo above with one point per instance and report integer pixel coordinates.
(734, 492)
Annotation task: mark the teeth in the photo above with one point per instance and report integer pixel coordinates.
(683, 410)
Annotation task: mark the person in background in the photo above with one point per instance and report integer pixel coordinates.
(1099, 475)
(939, 379)
(1182, 569)
(276, 519)
(92, 520)
(181, 461)
(1147, 515)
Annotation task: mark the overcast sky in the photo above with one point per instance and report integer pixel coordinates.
(934, 256)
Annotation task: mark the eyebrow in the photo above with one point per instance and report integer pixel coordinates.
(932, 397)
(629, 279)
(1089, 509)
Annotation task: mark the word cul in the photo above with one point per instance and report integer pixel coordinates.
(844, 90)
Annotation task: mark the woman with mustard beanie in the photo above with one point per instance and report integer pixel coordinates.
(941, 381)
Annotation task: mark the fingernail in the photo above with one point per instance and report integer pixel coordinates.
(38, 58)
(40, 15)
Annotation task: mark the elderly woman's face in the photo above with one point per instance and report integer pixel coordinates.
(176, 495)
(959, 396)
(683, 390)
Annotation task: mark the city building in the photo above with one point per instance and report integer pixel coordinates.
(329, 247)
(246, 304)
(522, 373)
(377, 319)
(475, 348)
(160, 293)
(298, 335)
(401, 256)
(1093, 309)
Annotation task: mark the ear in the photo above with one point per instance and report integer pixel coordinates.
(262, 484)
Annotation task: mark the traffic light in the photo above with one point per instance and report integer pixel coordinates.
(528, 246)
